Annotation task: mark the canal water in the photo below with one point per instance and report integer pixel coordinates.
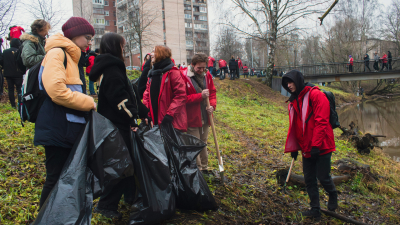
(379, 116)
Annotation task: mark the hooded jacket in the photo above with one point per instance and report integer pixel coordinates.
(194, 99)
(239, 62)
(171, 99)
(16, 32)
(222, 63)
(61, 116)
(389, 55)
(245, 69)
(233, 64)
(211, 61)
(351, 61)
(9, 64)
(366, 59)
(384, 58)
(33, 51)
(118, 101)
(309, 123)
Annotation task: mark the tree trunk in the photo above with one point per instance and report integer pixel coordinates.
(272, 43)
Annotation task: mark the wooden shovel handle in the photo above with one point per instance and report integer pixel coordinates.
(290, 171)
(210, 116)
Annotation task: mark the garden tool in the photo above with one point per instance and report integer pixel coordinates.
(288, 176)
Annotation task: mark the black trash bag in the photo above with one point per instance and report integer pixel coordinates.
(152, 171)
(98, 160)
(190, 187)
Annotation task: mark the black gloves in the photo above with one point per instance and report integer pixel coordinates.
(149, 120)
(167, 119)
(294, 155)
(314, 152)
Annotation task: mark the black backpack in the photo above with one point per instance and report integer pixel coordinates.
(31, 98)
(18, 58)
(334, 117)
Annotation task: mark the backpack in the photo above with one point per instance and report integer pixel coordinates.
(31, 98)
(334, 117)
(18, 58)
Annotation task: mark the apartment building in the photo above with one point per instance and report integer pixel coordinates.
(182, 25)
(100, 13)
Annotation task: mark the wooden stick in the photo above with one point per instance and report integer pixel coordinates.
(342, 218)
(210, 115)
(290, 171)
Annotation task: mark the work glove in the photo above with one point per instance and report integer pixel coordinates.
(294, 155)
(167, 119)
(314, 153)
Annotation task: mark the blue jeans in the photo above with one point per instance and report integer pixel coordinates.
(210, 69)
(91, 87)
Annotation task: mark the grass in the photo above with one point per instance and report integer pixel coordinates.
(251, 124)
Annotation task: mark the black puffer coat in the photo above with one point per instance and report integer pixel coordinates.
(8, 63)
(233, 64)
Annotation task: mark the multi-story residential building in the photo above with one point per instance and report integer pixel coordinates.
(182, 25)
(100, 13)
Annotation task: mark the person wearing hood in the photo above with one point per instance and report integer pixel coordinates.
(142, 82)
(366, 62)
(91, 56)
(351, 61)
(311, 132)
(61, 118)
(390, 60)
(165, 94)
(376, 62)
(233, 66)
(384, 62)
(223, 68)
(11, 72)
(210, 64)
(120, 103)
(33, 50)
(199, 87)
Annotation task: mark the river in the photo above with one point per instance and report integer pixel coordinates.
(379, 116)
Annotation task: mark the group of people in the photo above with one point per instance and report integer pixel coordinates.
(386, 61)
(233, 67)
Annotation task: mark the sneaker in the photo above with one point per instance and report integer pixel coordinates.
(312, 213)
(332, 202)
(108, 213)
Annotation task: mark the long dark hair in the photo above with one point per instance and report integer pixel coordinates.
(111, 43)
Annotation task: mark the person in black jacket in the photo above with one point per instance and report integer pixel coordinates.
(233, 66)
(11, 71)
(120, 103)
(390, 60)
(142, 83)
(366, 62)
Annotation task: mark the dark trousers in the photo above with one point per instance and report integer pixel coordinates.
(126, 186)
(376, 66)
(350, 68)
(246, 75)
(223, 71)
(1, 83)
(210, 69)
(367, 66)
(318, 168)
(390, 64)
(238, 73)
(55, 160)
(383, 66)
(11, 82)
(233, 74)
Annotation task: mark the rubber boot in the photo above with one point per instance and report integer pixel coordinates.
(313, 213)
(332, 202)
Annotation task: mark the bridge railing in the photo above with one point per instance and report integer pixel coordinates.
(334, 68)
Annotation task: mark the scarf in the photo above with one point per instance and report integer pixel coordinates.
(199, 84)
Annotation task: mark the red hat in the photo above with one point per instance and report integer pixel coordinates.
(77, 26)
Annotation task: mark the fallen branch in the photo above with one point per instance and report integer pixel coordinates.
(342, 218)
(298, 180)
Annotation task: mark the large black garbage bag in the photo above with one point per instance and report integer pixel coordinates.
(152, 172)
(190, 187)
(98, 160)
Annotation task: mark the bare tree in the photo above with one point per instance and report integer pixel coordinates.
(228, 44)
(138, 17)
(391, 23)
(7, 9)
(84, 8)
(49, 10)
(273, 19)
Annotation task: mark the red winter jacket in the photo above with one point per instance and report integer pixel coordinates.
(384, 58)
(172, 99)
(221, 63)
(211, 61)
(194, 99)
(317, 132)
(351, 61)
(245, 69)
(91, 62)
(16, 32)
(239, 63)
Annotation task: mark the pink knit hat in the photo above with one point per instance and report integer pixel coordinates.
(77, 26)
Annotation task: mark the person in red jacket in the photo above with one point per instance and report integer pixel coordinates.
(223, 68)
(384, 62)
(311, 132)
(351, 64)
(199, 87)
(165, 94)
(92, 56)
(240, 66)
(210, 65)
(246, 71)
(16, 32)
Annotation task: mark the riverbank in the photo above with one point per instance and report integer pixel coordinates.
(251, 122)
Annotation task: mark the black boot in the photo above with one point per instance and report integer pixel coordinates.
(312, 213)
(332, 203)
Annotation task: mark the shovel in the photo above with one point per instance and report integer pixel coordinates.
(288, 176)
(220, 163)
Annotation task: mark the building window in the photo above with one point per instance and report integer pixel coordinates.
(188, 34)
(115, 23)
(188, 7)
(107, 23)
(115, 14)
(188, 16)
(114, 3)
(163, 24)
(164, 36)
(203, 18)
(107, 13)
(162, 1)
(203, 9)
(188, 25)
(106, 3)
(100, 21)
(99, 2)
(163, 15)
(98, 11)
(189, 43)
(200, 26)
